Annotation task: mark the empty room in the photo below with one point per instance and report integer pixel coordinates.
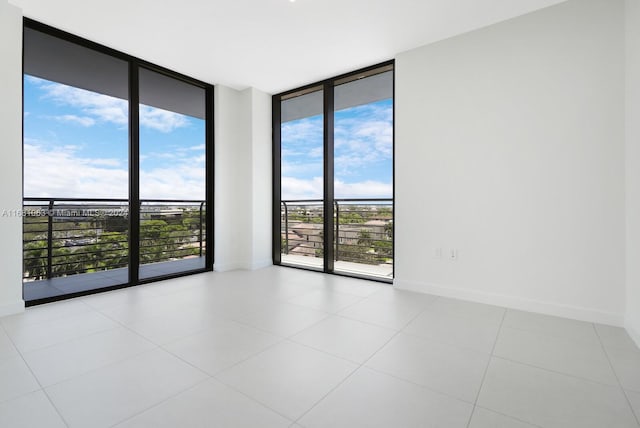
(320, 213)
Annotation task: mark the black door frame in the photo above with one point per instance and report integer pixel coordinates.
(327, 86)
(134, 65)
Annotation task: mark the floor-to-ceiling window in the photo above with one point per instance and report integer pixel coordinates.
(172, 175)
(302, 169)
(117, 168)
(333, 175)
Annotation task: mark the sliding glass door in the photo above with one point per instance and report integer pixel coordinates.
(363, 174)
(302, 182)
(333, 175)
(172, 175)
(118, 168)
(76, 168)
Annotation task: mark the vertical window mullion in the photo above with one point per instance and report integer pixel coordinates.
(209, 185)
(134, 173)
(328, 106)
(277, 179)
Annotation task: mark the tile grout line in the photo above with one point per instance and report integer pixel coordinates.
(562, 339)
(255, 400)
(214, 376)
(563, 374)
(396, 333)
(362, 299)
(420, 312)
(44, 391)
(424, 387)
(208, 376)
(154, 348)
(182, 391)
(289, 339)
(624, 392)
(361, 365)
(64, 342)
(113, 363)
(82, 336)
(3, 320)
(510, 417)
(486, 370)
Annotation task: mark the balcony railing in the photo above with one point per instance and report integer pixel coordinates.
(363, 230)
(63, 237)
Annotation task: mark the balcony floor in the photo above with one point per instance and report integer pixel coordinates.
(46, 288)
(377, 271)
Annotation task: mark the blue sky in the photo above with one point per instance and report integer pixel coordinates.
(363, 154)
(76, 145)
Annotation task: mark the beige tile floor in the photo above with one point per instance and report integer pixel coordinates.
(284, 347)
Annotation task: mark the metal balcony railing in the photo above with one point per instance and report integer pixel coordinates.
(63, 237)
(363, 229)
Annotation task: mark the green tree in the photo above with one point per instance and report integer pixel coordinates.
(35, 258)
(388, 230)
(364, 238)
(154, 236)
(351, 218)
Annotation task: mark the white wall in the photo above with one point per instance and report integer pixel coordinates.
(633, 167)
(261, 179)
(232, 226)
(11, 159)
(510, 148)
(242, 179)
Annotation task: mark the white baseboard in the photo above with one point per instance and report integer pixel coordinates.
(259, 264)
(633, 333)
(226, 267)
(514, 302)
(12, 308)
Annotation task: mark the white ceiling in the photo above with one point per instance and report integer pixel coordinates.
(272, 45)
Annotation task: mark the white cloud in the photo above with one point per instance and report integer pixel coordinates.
(300, 189)
(79, 120)
(296, 188)
(183, 180)
(104, 162)
(102, 108)
(106, 109)
(60, 172)
(303, 130)
(161, 120)
(364, 189)
(301, 168)
(316, 152)
(196, 148)
(364, 138)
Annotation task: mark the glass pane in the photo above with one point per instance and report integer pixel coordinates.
(363, 176)
(172, 175)
(75, 168)
(302, 188)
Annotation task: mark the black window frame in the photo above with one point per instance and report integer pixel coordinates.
(327, 86)
(134, 65)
